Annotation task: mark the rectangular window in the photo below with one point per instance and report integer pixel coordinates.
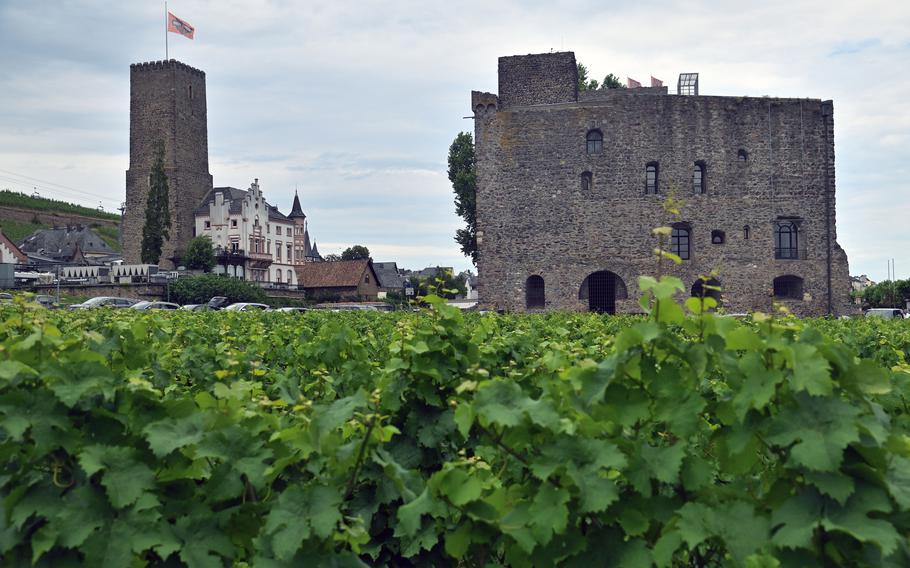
(651, 183)
(208, 224)
(679, 243)
(233, 222)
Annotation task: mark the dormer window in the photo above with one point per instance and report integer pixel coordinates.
(595, 141)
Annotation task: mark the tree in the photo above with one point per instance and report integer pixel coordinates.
(611, 81)
(200, 254)
(446, 285)
(463, 176)
(356, 252)
(157, 211)
(585, 84)
(331, 258)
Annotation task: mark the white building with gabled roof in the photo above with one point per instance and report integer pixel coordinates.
(253, 240)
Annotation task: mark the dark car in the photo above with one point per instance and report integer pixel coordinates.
(218, 302)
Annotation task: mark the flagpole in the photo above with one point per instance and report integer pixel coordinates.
(165, 31)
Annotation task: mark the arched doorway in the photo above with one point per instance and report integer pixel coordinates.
(708, 289)
(601, 289)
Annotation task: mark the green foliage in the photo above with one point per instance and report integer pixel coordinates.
(446, 285)
(440, 438)
(887, 294)
(200, 254)
(200, 289)
(16, 231)
(585, 83)
(356, 252)
(18, 199)
(463, 176)
(157, 211)
(110, 235)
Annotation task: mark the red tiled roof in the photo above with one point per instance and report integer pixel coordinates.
(336, 274)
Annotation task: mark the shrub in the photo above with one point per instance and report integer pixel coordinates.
(200, 289)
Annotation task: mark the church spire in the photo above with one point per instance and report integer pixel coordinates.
(296, 210)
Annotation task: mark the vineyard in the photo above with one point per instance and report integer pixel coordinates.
(211, 439)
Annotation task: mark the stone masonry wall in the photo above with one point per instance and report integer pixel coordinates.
(534, 217)
(167, 103)
(538, 79)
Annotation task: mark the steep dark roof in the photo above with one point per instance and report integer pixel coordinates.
(65, 242)
(387, 273)
(296, 210)
(276, 215)
(236, 197)
(337, 274)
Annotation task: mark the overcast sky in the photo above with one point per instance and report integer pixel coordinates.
(356, 103)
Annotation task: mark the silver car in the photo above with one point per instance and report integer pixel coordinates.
(103, 302)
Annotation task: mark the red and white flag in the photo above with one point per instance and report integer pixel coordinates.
(632, 83)
(178, 26)
(656, 82)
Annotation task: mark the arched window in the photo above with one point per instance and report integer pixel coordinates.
(587, 181)
(595, 140)
(698, 178)
(746, 232)
(679, 242)
(786, 240)
(718, 237)
(788, 287)
(289, 276)
(742, 156)
(535, 296)
(278, 276)
(652, 186)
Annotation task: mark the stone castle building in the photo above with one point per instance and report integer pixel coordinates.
(571, 183)
(253, 240)
(167, 105)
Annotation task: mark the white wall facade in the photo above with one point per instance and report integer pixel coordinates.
(267, 243)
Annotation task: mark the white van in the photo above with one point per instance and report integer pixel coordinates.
(885, 313)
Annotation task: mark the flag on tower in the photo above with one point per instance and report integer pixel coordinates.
(632, 83)
(656, 82)
(178, 26)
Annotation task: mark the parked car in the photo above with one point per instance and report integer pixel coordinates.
(196, 307)
(49, 302)
(291, 309)
(103, 302)
(886, 313)
(218, 302)
(155, 306)
(246, 307)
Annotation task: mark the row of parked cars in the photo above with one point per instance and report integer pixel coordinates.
(216, 303)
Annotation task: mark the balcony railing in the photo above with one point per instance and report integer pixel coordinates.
(790, 253)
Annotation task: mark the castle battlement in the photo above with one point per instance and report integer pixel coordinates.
(164, 64)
